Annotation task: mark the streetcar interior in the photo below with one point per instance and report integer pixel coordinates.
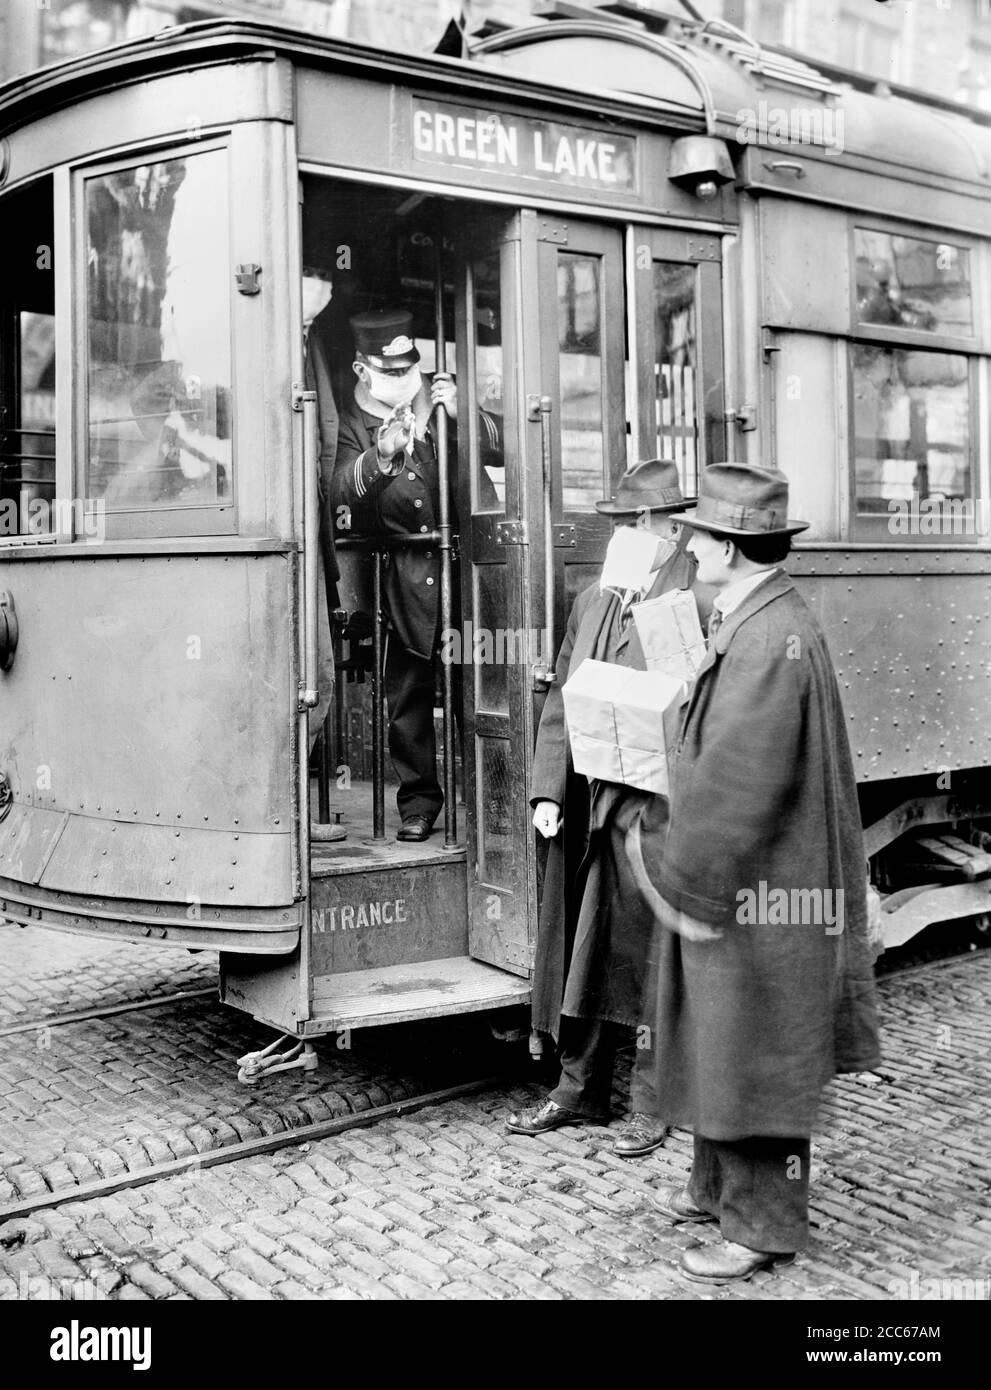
(379, 247)
(27, 364)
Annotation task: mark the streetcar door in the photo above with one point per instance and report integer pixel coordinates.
(593, 346)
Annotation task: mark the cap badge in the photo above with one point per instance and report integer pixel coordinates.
(398, 346)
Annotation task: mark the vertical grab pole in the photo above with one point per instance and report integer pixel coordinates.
(378, 706)
(446, 592)
(305, 403)
(539, 408)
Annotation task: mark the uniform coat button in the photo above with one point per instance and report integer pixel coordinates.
(412, 477)
(430, 581)
(424, 528)
(418, 502)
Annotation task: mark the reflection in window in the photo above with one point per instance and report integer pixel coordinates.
(579, 341)
(675, 370)
(159, 335)
(909, 283)
(490, 483)
(912, 423)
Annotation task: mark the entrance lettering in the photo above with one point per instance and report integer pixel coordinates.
(352, 916)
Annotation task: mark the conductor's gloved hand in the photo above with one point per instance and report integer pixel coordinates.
(394, 437)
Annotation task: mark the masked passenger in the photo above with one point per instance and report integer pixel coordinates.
(595, 929)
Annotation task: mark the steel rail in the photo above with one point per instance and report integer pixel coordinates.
(106, 1011)
(248, 1148)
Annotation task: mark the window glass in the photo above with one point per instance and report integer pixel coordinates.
(579, 341)
(913, 432)
(675, 370)
(909, 283)
(158, 332)
(490, 484)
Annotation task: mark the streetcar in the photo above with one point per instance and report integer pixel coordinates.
(624, 242)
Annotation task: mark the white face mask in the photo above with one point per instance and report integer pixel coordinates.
(394, 390)
(317, 294)
(632, 556)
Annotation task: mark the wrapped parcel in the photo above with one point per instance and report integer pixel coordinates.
(622, 723)
(670, 633)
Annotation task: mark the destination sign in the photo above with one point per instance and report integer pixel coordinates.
(473, 138)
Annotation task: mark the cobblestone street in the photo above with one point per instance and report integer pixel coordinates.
(441, 1203)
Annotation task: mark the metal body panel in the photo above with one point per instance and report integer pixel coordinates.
(871, 191)
(28, 837)
(121, 860)
(96, 713)
(913, 662)
(172, 107)
(197, 926)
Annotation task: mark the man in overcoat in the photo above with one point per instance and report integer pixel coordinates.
(595, 929)
(764, 982)
(386, 480)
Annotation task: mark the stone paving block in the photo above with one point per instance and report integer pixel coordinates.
(154, 1284)
(292, 1292)
(238, 1285)
(360, 1234)
(299, 1270)
(309, 1249)
(202, 1258)
(217, 1239)
(362, 1260)
(262, 1271)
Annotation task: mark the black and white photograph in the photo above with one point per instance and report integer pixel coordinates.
(495, 667)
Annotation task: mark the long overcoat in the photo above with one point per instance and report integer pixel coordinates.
(594, 929)
(764, 842)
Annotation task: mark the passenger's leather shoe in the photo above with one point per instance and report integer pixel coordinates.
(550, 1115)
(677, 1205)
(725, 1262)
(641, 1134)
(415, 828)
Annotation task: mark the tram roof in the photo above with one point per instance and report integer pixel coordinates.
(702, 80)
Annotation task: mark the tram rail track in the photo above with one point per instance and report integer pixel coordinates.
(249, 1148)
(105, 1011)
(293, 1134)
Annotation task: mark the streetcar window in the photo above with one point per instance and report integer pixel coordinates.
(675, 369)
(158, 338)
(912, 417)
(905, 282)
(27, 364)
(579, 304)
(489, 487)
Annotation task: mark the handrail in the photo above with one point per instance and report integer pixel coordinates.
(306, 401)
(446, 546)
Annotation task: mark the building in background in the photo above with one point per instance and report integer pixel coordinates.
(938, 46)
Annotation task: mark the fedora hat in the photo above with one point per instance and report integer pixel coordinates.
(742, 499)
(652, 485)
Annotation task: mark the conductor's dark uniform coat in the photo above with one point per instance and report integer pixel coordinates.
(409, 502)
